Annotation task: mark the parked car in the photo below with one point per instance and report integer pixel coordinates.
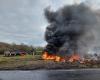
(19, 52)
(14, 53)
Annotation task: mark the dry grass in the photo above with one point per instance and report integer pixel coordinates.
(29, 62)
(17, 61)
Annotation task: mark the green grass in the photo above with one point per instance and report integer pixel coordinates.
(17, 61)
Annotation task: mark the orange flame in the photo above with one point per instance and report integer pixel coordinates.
(74, 57)
(46, 56)
(56, 58)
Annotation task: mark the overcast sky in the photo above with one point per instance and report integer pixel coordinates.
(23, 21)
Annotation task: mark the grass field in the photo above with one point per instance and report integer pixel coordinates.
(17, 61)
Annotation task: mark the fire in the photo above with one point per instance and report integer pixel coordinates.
(46, 56)
(56, 58)
(74, 57)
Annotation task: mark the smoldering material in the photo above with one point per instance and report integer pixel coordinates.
(70, 29)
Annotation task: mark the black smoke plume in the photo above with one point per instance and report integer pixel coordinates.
(70, 29)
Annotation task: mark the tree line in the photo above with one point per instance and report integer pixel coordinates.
(11, 47)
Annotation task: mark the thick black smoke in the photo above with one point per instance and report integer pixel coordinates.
(70, 29)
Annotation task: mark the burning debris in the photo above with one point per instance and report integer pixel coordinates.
(54, 57)
(70, 32)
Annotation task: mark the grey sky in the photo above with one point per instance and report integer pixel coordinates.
(22, 21)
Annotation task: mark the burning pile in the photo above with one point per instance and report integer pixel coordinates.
(47, 56)
(72, 58)
(70, 32)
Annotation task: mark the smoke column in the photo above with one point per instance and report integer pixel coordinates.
(70, 29)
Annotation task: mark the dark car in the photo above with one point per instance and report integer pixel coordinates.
(19, 52)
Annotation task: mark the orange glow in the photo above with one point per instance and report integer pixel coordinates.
(74, 57)
(57, 58)
(47, 56)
